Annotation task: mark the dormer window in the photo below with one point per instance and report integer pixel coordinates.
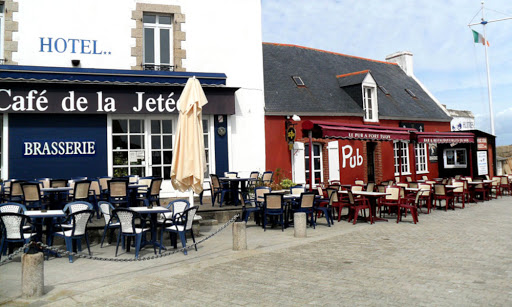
(411, 93)
(369, 101)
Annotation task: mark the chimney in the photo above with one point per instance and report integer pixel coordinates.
(404, 60)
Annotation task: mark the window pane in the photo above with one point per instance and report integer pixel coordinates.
(120, 158)
(157, 171)
(156, 157)
(206, 141)
(316, 150)
(461, 157)
(167, 126)
(166, 20)
(120, 172)
(155, 142)
(155, 126)
(136, 126)
(149, 45)
(120, 142)
(167, 172)
(119, 126)
(136, 142)
(449, 158)
(149, 18)
(167, 157)
(316, 163)
(167, 142)
(165, 53)
(205, 126)
(137, 171)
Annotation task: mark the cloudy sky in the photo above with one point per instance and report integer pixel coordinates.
(446, 60)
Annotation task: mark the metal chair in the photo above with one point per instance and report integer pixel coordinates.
(31, 195)
(273, 206)
(118, 192)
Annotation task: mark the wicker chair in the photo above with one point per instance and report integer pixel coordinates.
(127, 219)
(31, 195)
(356, 205)
(440, 194)
(13, 225)
(118, 192)
(273, 206)
(306, 203)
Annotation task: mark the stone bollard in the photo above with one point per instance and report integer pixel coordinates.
(239, 236)
(299, 224)
(32, 275)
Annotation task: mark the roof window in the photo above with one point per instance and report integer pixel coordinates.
(384, 90)
(298, 81)
(411, 93)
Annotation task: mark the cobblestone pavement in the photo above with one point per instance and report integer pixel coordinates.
(454, 258)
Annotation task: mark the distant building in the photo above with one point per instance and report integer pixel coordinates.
(462, 120)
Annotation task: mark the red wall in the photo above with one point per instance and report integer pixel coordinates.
(278, 155)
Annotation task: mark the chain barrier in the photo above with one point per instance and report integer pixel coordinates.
(61, 252)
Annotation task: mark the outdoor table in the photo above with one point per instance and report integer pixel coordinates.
(132, 193)
(55, 196)
(47, 217)
(372, 198)
(233, 185)
(152, 211)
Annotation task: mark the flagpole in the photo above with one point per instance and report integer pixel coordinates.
(489, 90)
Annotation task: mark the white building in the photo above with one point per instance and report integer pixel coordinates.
(110, 72)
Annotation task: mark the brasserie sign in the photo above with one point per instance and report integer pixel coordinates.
(59, 148)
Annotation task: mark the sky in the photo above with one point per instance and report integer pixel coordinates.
(446, 59)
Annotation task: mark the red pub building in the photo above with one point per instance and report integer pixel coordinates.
(358, 118)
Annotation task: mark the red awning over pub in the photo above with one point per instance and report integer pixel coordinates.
(444, 137)
(325, 129)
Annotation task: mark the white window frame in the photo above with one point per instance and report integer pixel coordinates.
(455, 151)
(421, 158)
(405, 157)
(157, 27)
(147, 139)
(307, 164)
(370, 103)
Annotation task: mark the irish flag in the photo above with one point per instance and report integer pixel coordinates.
(479, 38)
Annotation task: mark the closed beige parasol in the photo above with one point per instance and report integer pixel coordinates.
(189, 159)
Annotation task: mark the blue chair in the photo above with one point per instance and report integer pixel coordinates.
(180, 224)
(232, 174)
(31, 195)
(324, 206)
(15, 191)
(152, 195)
(127, 219)
(218, 189)
(267, 177)
(12, 208)
(248, 207)
(14, 227)
(111, 222)
(118, 192)
(273, 206)
(305, 204)
(78, 230)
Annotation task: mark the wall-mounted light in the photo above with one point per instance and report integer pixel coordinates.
(75, 63)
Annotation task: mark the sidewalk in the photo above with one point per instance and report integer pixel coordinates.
(461, 258)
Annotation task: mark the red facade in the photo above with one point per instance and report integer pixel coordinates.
(352, 152)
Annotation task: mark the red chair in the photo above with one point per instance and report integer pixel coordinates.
(440, 194)
(505, 185)
(356, 205)
(481, 189)
(336, 203)
(496, 186)
(411, 205)
(426, 195)
(391, 200)
(460, 192)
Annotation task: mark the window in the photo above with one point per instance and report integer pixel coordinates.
(421, 158)
(128, 147)
(298, 81)
(403, 149)
(144, 146)
(158, 38)
(455, 158)
(369, 104)
(161, 148)
(317, 163)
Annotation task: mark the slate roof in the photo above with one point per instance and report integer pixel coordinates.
(323, 95)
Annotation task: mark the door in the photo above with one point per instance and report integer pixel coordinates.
(370, 158)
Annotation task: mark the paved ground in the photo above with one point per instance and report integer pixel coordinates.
(454, 258)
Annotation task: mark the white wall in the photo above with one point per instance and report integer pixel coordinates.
(222, 36)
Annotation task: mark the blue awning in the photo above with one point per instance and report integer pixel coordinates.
(14, 73)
